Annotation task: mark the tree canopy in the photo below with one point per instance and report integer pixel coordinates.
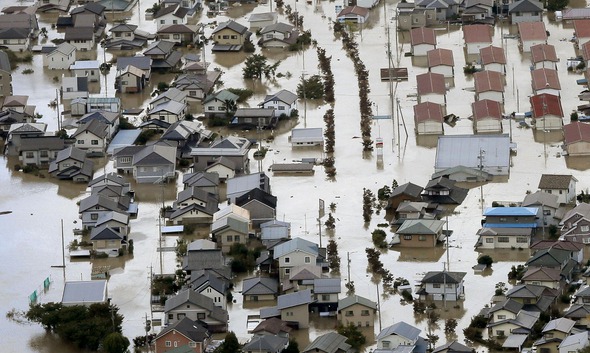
(311, 88)
(229, 345)
(115, 343)
(354, 336)
(84, 326)
(256, 67)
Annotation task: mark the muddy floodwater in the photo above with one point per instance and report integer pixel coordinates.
(31, 231)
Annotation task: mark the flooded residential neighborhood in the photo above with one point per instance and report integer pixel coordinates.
(42, 214)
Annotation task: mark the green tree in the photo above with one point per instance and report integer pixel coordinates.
(383, 193)
(556, 5)
(115, 343)
(485, 260)
(256, 67)
(242, 93)
(311, 88)
(354, 336)
(379, 236)
(293, 347)
(230, 107)
(230, 344)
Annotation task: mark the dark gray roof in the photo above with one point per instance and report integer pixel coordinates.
(140, 62)
(233, 25)
(209, 209)
(278, 27)
(155, 155)
(102, 201)
(260, 286)
(283, 95)
(408, 189)
(196, 193)
(95, 127)
(453, 347)
(331, 342)
(266, 343)
(79, 33)
(443, 277)
(525, 291)
(14, 33)
(508, 304)
(235, 223)
(188, 328)
(555, 181)
(209, 279)
(327, 285)
(525, 6)
(105, 233)
(71, 152)
(272, 325)
(296, 244)
(190, 296)
(203, 259)
(92, 7)
(103, 116)
(401, 329)
(200, 179)
(123, 27)
(36, 143)
(259, 195)
(294, 299)
(160, 47)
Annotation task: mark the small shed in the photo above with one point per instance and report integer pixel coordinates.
(307, 137)
(440, 61)
(547, 112)
(531, 33)
(422, 40)
(428, 118)
(493, 59)
(487, 116)
(476, 37)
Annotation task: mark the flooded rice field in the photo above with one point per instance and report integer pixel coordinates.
(31, 234)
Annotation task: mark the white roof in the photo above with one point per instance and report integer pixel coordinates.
(85, 292)
(464, 150)
(307, 135)
(85, 65)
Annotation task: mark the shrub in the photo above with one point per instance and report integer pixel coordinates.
(378, 237)
(28, 71)
(407, 296)
(485, 260)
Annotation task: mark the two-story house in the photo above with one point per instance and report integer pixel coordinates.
(559, 184)
(278, 35)
(185, 332)
(229, 36)
(154, 164)
(419, 233)
(220, 104)
(398, 334)
(261, 205)
(92, 137)
(95, 207)
(60, 57)
(260, 289)
(71, 163)
(171, 15)
(284, 102)
(325, 294)
(442, 285)
(575, 225)
(554, 332)
(231, 147)
(40, 151)
(507, 227)
(546, 204)
(195, 306)
(212, 286)
(193, 205)
(230, 230)
(357, 310)
(295, 252)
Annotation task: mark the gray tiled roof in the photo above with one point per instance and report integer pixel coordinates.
(233, 25)
(189, 328)
(105, 233)
(80, 292)
(327, 285)
(190, 296)
(266, 343)
(296, 244)
(155, 155)
(443, 277)
(401, 329)
(95, 127)
(260, 286)
(237, 224)
(356, 299)
(294, 299)
(52, 143)
(331, 342)
(555, 181)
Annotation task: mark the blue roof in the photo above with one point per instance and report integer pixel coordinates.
(510, 225)
(511, 211)
(123, 138)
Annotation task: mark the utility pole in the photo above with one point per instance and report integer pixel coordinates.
(379, 307)
(150, 296)
(348, 264)
(444, 295)
(320, 229)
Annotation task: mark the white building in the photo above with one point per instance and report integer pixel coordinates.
(61, 57)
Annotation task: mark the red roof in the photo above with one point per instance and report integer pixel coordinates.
(477, 33)
(546, 104)
(428, 111)
(431, 83)
(486, 108)
(582, 28)
(532, 31)
(576, 132)
(437, 57)
(545, 78)
(488, 81)
(422, 35)
(491, 54)
(543, 52)
(585, 50)
(355, 10)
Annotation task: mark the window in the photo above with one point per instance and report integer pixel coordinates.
(44, 154)
(176, 36)
(192, 93)
(385, 344)
(349, 313)
(281, 107)
(221, 109)
(229, 238)
(436, 285)
(237, 238)
(254, 298)
(585, 228)
(449, 286)
(200, 316)
(500, 332)
(289, 313)
(124, 83)
(364, 312)
(287, 271)
(560, 192)
(407, 237)
(422, 238)
(234, 37)
(522, 239)
(210, 108)
(501, 317)
(307, 259)
(80, 142)
(180, 316)
(325, 297)
(287, 260)
(29, 154)
(503, 240)
(225, 37)
(192, 344)
(168, 344)
(174, 22)
(162, 22)
(547, 212)
(94, 216)
(125, 160)
(170, 316)
(367, 324)
(489, 240)
(94, 142)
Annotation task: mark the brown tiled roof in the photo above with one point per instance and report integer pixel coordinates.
(576, 132)
(486, 108)
(543, 52)
(545, 78)
(532, 31)
(477, 33)
(582, 28)
(431, 83)
(585, 51)
(428, 111)
(555, 181)
(355, 10)
(542, 274)
(491, 55)
(437, 57)
(422, 35)
(488, 81)
(546, 104)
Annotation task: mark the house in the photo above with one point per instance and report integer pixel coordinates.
(525, 11)
(131, 80)
(542, 276)
(40, 151)
(61, 57)
(197, 86)
(411, 210)
(294, 307)
(442, 285)
(118, 221)
(9, 117)
(442, 190)
(307, 137)
(428, 118)
(489, 85)
(71, 163)
(86, 68)
(547, 205)
(233, 148)
(545, 81)
(260, 289)
(208, 182)
(111, 119)
(126, 36)
(544, 56)
(212, 286)
(575, 225)
(576, 139)
(170, 111)
(445, 9)
(261, 20)
(185, 134)
(422, 40)
(123, 158)
(331, 342)
(154, 164)
(109, 104)
(53, 6)
(205, 257)
(547, 112)
(19, 131)
(170, 15)
(223, 167)
(553, 334)
(522, 323)
(241, 185)
(180, 34)
(255, 118)
(261, 205)
(295, 252)
(73, 87)
(163, 55)
(95, 207)
(171, 94)
(354, 14)
(17, 29)
(357, 310)
(325, 294)
(409, 16)
(274, 230)
(404, 192)
(559, 184)
(92, 137)
(556, 258)
(193, 206)
(487, 116)
(184, 332)
(278, 35)
(220, 104)
(284, 102)
(507, 227)
(476, 37)
(453, 347)
(17, 103)
(80, 37)
(266, 344)
(493, 59)
(5, 77)
(477, 10)
(398, 334)
(441, 61)
(489, 153)
(531, 33)
(106, 239)
(581, 31)
(230, 230)
(274, 327)
(419, 233)
(85, 293)
(431, 88)
(580, 313)
(141, 62)
(229, 36)
(195, 306)
(574, 342)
